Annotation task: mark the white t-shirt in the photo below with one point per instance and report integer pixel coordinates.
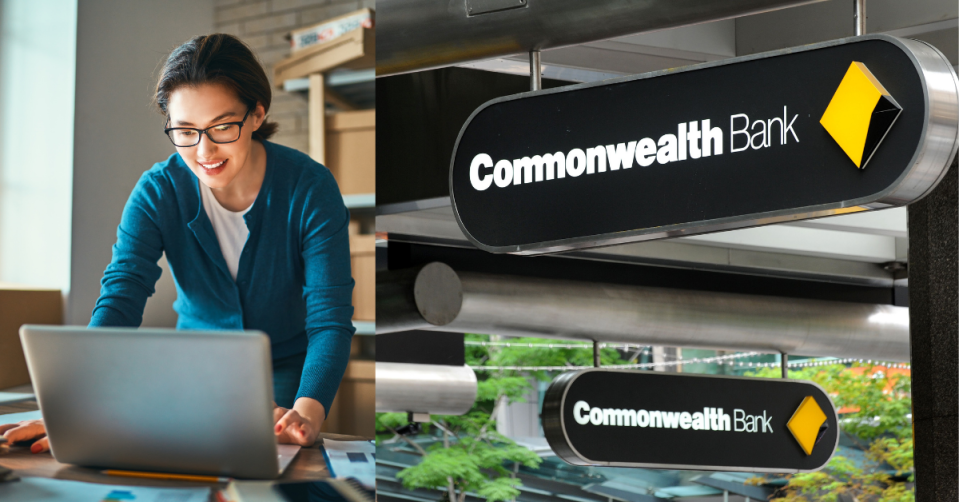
(229, 226)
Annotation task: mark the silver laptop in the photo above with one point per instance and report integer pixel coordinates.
(160, 400)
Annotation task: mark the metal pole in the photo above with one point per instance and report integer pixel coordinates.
(535, 71)
(860, 17)
(465, 302)
(785, 365)
(596, 353)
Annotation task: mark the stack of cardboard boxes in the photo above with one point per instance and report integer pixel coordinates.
(18, 306)
(345, 142)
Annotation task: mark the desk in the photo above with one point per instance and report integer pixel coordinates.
(307, 465)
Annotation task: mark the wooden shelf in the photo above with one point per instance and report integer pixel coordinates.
(353, 50)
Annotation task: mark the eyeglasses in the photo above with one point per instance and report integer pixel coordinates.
(220, 133)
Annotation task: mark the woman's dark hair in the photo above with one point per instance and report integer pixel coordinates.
(217, 59)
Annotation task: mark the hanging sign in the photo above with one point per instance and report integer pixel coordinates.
(672, 421)
(845, 126)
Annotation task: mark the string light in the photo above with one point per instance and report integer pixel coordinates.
(603, 345)
(724, 359)
(617, 366)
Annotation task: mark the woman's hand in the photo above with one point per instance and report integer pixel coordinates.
(300, 425)
(25, 431)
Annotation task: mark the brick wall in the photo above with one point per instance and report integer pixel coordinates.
(264, 25)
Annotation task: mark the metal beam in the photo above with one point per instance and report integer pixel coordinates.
(831, 20)
(431, 221)
(424, 388)
(522, 306)
(417, 35)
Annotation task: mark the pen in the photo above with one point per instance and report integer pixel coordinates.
(160, 475)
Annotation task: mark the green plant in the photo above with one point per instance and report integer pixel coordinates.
(469, 455)
(874, 406)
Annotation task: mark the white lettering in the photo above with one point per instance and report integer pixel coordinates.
(656, 419)
(481, 160)
(769, 130)
(555, 162)
(538, 167)
(761, 135)
(595, 160)
(646, 152)
(694, 152)
(620, 154)
(723, 420)
(709, 419)
(789, 128)
(692, 140)
(713, 139)
(733, 132)
(739, 418)
(575, 162)
(503, 173)
(765, 421)
(642, 418)
(698, 424)
(682, 141)
(578, 409)
(667, 149)
(619, 417)
(596, 416)
(670, 419)
(522, 170)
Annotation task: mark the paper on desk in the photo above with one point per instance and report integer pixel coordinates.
(14, 397)
(11, 418)
(45, 489)
(351, 459)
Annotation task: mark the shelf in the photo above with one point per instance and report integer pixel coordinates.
(365, 327)
(359, 200)
(336, 78)
(353, 50)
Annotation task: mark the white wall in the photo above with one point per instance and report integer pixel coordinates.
(120, 47)
(37, 56)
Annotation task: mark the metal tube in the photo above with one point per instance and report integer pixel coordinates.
(860, 17)
(535, 71)
(424, 388)
(395, 302)
(785, 365)
(596, 360)
(523, 306)
(400, 292)
(414, 35)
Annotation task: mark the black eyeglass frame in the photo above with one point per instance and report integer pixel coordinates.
(201, 132)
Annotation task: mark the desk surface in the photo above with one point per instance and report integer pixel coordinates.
(308, 464)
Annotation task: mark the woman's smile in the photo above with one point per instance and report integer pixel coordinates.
(214, 167)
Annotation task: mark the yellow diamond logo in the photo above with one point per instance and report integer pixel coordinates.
(860, 114)
(808, 424)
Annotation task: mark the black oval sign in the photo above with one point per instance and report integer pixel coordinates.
(674, 421)
(851, 125)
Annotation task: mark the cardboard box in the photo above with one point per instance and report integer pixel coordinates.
(355, 50)
(354, 407)
(21, 305)
(330, 29)
(351, 150)
(363, 263)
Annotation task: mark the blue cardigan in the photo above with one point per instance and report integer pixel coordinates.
(293, 282)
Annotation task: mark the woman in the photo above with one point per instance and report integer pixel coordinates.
(254, 233)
